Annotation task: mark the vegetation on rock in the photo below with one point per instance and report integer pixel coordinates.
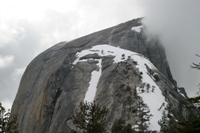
(7, 124)
(143, 114)
(90, 118)
(119, 126)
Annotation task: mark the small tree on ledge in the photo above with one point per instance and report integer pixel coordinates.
(90, 118)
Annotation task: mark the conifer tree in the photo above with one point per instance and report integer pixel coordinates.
(164, 124)
(191, 124)
(7, 125)
(119, 126)
(90, 118)
(195, 100)
(143, 114)
(128, 129)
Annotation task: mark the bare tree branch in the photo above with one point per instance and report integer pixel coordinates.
(197, 55)
(195, 65)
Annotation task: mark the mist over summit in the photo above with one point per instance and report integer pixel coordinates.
(176, 24)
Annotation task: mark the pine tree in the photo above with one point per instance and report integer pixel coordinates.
(123, 56)
(164, 124)
(128, 129)
(120, 127)
(191, 124)
(90, 118)
(148, 86)
(7, 125)
(143, 114)
(195, 100)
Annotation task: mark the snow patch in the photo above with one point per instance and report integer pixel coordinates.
(154, 98)
(137, 28)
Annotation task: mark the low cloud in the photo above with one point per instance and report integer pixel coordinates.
(176, 23)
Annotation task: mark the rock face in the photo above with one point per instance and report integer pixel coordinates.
(58, 79)
(183, 92)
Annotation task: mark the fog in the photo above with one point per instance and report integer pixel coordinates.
(176, 24)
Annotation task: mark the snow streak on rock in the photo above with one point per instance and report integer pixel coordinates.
(90, 94)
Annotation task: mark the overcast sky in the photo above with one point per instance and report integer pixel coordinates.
(28, 27)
